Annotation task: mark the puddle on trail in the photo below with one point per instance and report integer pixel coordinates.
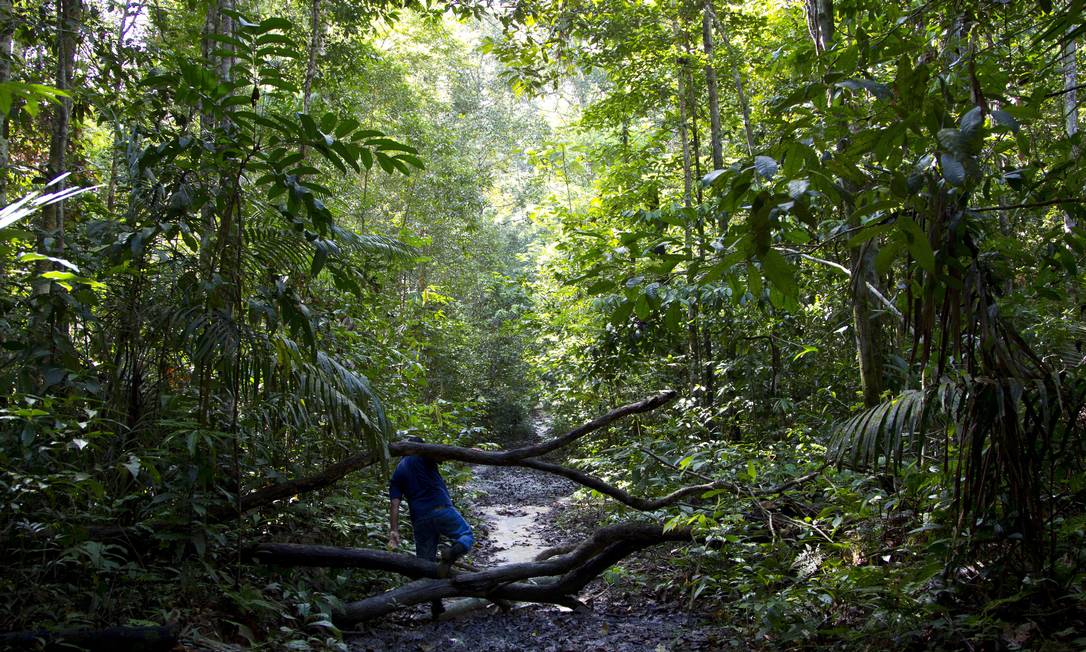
(519, 506)
(514, 531)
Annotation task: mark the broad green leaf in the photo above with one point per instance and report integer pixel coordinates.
(797, 188)
(33, 257)
(807, 349)
(953, 170)
(779, 272)
(385, 162)
(766, 166)
(346, 126)
(972, 131)
(673, 317)
(708, 179)
(754, 281)
(1004, 119)
(880, 91)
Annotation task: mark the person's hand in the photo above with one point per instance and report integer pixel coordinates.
(393, 539)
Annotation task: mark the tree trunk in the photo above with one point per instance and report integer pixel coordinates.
(571, 570)
(692, 341)
(737, 79)
(528, 458)
(118, 88)
(314, 48)
(7, 29)
(820, 23)
(338, 470)
(711, 86)
(862, 257)
(1070, 107)
(865, 323)
(51, 240)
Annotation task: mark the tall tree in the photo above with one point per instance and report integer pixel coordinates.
(68, 28)
(867, 327)
(711, 86)
(737, 78)
(820, 23)
(7, 31)
(1070, 103)
(682, 101)
(313, 51)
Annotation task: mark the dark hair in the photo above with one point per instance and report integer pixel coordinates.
(416, 439)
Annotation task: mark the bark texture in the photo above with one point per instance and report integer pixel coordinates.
(314, 48)
(866, 324)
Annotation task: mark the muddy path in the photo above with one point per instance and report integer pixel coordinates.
(517, 513)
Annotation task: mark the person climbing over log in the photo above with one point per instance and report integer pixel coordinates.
(432, 515)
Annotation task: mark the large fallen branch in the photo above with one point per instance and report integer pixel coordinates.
(571, 570)
(556, 575)
(335, 472)
(526, 457)
(283, 490)
(300, 554)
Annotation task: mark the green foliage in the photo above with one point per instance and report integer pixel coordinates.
(282, 247)
(248, 292)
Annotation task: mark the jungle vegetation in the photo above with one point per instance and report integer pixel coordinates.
(242, 240)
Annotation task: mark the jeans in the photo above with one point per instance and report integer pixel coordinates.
(442, 522)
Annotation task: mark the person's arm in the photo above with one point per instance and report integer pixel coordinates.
(394, 523)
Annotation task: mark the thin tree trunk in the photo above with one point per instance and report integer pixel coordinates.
(862, 257)
(51, 240)
(7, 29)
(693, 343)
(865, 323)
(1070, 107)
(705, 357)
(737, 79)
(820, 23)
(711, 86)
(226, 28)
(118, 87)
(314, 48)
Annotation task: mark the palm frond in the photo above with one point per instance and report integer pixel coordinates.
(876, 438)
(274, 248)
(374, 245)
(343, 397)
(29, 204)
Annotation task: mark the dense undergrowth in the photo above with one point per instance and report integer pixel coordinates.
(848, 234)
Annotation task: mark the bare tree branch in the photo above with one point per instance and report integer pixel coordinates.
(335, 472)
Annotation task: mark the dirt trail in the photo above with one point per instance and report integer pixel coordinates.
(523, 512)
(519, 508)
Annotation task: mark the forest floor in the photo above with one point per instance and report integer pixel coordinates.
(522, 512)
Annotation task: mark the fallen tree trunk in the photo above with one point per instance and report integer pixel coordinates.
(110, 639)
(556, 576)
(568, 573)
(297, 554)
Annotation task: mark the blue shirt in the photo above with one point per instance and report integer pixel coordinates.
(417, 478)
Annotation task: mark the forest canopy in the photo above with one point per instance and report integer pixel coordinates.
(248, 247)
